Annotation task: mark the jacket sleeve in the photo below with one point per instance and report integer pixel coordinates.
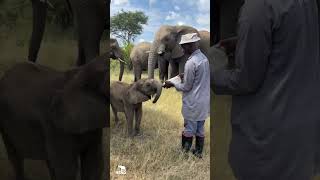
(188, 78)
(252, 52)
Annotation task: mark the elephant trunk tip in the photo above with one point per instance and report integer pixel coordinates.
(158, 93)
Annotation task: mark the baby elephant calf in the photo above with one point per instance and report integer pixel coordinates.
(128, 98)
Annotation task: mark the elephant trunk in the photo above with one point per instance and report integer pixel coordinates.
(151, 60)
(122, 62)
(161, 49)
(159, 90)
(39, 22)
(120, 57)
(121, 70)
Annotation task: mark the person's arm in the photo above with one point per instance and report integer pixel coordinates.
(252, 52)
(188, 78)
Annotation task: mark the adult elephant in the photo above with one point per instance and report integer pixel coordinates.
(166, 47)
(116, 53)
(90, 17)
(57, 117)
(139, 59)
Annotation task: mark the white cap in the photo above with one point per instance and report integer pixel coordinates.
(189, 38)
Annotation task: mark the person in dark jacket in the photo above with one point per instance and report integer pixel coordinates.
(275, 89)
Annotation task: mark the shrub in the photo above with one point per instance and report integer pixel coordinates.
(126, 54)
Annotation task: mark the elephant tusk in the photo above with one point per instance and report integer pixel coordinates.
(122, 61)
(48, 2)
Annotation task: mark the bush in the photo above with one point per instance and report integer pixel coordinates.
(126, 54)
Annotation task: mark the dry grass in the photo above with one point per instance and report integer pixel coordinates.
(156, 154)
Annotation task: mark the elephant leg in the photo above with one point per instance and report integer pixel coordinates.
(174, 69)
(167, 69)
(62, 155)
(134, 74)
(138, 116)
(14, 158)
(121, 71)
(115, 112)
(129, 112)
(90, 17)
(92, 159)
(163, 69)
(81, 55)
(51, 170)
(87, 49)
(64, 167)
(38, 26)
(137, 72)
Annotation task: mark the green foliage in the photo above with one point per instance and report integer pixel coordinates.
(127, 25)
(126, 49)
(11, 11)
(60, 15)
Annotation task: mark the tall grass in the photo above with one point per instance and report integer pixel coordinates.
(156, 153)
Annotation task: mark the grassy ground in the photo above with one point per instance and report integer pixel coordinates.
(156, 154)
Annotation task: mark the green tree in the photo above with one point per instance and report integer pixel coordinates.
(127, 25)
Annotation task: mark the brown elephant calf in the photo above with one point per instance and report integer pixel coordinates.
(128, 98)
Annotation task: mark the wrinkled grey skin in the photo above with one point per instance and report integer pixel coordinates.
(139, 59)
(116, 53)
(128, 98)
(55, 116)
(90, 17)
(166, 46)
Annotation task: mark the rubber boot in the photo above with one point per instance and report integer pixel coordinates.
(186, 143)
(199, 147)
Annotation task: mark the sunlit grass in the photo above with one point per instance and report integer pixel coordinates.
(156, 154)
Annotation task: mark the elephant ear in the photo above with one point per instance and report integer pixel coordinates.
(181, 30)
(177, 51)
(81, 105)
(134, 95)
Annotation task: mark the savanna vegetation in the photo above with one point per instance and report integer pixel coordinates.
(156, 153)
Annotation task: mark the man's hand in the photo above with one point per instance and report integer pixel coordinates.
(228, 45)
(168, 84)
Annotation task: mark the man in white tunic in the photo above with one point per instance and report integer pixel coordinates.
(196, 93)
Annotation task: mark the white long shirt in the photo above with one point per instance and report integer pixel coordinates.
(195, 87)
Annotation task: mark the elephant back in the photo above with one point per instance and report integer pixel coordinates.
(205, 41)
(140, 54)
